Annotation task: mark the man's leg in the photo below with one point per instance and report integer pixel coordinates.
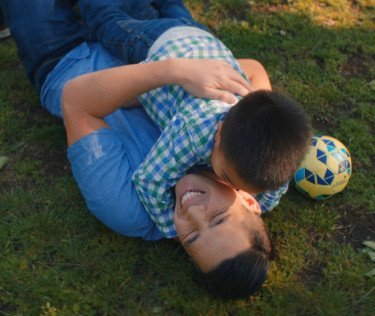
(44, 30)
(128, 38)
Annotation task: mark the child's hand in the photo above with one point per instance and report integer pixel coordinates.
(212, 79)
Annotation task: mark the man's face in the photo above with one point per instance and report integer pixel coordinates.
(210, 219)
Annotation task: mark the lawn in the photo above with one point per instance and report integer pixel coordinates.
(57, 259)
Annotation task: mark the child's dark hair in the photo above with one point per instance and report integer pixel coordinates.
(244, 274)
(265, 136)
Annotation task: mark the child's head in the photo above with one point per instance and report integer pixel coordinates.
(261, 142)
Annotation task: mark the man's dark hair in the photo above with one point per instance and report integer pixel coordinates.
(265, 136)
(244, 274)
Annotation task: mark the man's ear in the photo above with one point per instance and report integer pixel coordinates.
(249, 202)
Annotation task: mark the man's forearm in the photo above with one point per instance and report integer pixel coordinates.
(101, 93)
(89, 98)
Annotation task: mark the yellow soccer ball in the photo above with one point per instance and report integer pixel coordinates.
(325, 170)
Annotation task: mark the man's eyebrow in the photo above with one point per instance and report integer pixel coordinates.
(190, 241)
(226, 178)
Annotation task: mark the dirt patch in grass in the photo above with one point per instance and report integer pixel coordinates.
(323, 125)
(56, 164)
(43, 163)
(50, 151)
(354, 227)
(357, 65)
(53, 161)
(312, 274)
(7, 309)
(7, 178)
(239, 10)
(258, 8)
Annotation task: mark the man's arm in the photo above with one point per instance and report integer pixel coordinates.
(89, 98)
(256, 73)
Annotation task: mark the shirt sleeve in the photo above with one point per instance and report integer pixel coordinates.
(168, 161)
(102, 167)
(270, 199)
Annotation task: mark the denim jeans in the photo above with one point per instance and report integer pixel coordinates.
(1, 18)
(125, 28)
(44, 32)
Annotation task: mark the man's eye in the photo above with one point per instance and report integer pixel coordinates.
(217, 215)
(189, 234)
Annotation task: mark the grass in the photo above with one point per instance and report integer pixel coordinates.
(56, 259)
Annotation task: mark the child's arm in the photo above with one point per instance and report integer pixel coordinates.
(256, 73)
(168, 160)
(89, 98)
(270, 199)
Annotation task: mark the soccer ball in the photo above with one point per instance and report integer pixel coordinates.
(325, 170)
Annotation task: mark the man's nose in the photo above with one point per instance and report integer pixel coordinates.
(197, 214)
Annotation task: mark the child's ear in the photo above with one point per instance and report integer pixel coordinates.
(218, 133)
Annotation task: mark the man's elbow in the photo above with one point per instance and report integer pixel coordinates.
(67, 100)
(257, 65)
(75, 119)
(78, 119)
(70, 102)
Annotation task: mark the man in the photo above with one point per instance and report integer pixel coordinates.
(105, 150)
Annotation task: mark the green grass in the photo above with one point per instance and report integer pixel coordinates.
(56, 259)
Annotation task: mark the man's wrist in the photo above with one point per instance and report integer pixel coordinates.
(174, 70)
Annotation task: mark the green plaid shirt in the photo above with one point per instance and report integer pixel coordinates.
(188, 126)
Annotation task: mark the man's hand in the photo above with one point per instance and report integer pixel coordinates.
(212, 79)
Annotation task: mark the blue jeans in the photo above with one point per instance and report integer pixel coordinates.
(1, 18)
(44, 31)
(124, 28)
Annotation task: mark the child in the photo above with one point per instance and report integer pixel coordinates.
(254, 146)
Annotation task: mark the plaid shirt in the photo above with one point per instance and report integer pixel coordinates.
(188, 126)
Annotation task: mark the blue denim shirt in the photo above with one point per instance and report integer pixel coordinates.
(103, 161)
